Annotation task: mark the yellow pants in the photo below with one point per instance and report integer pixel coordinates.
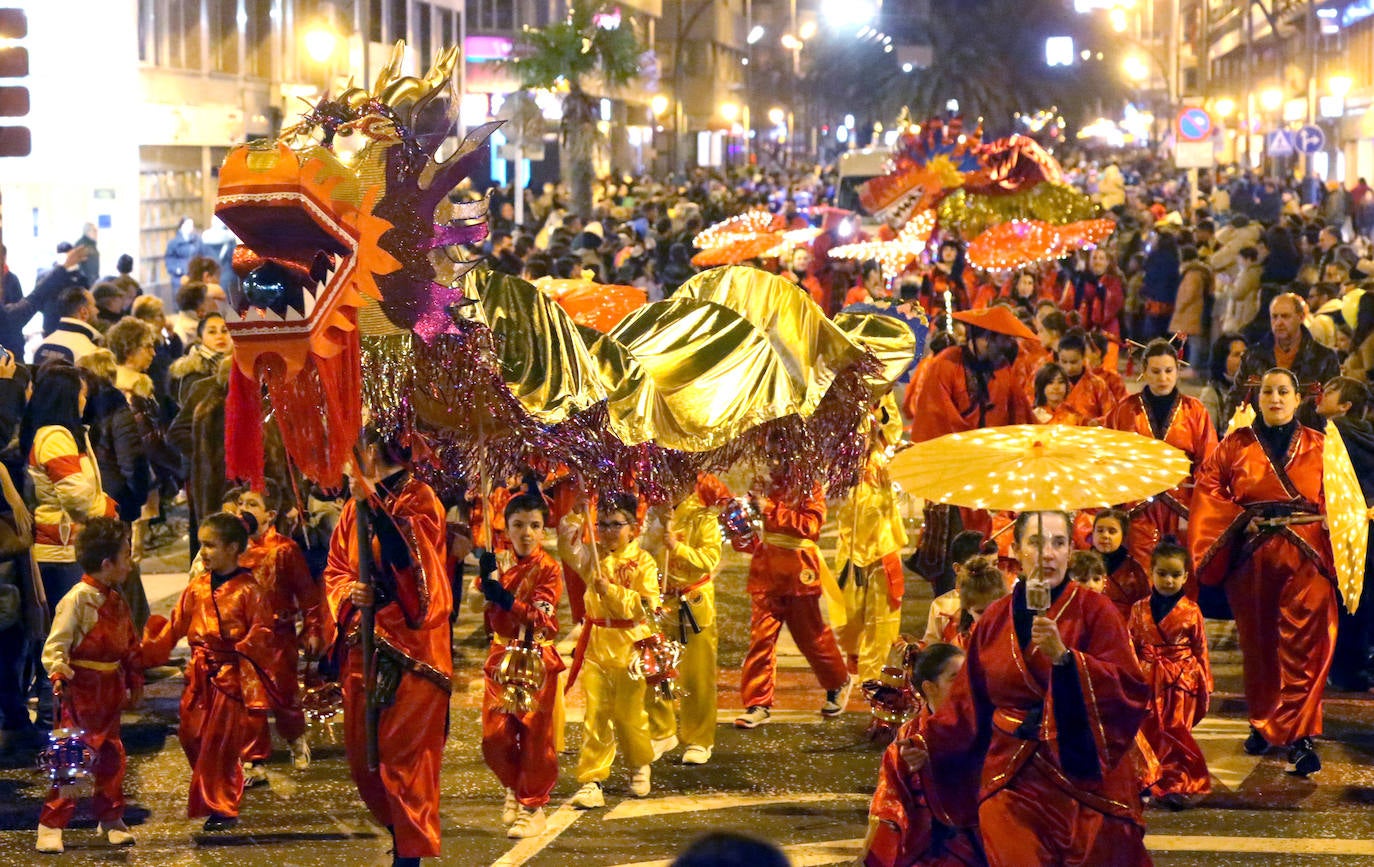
(615, 717)
(695, 723)
(871, 623)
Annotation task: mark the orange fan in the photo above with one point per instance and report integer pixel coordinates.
(1087, 233)
(595, 305)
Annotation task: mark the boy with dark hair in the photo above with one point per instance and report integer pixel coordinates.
(522, 587)
(92, 658)
(1341, 397)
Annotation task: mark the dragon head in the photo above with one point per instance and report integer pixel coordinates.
(929, 162)
(348, 207)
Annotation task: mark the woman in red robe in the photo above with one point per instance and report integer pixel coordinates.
(1256, 531)
(1162, 412)
(1036, 735)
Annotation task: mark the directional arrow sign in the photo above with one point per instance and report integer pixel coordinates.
(1309, 139)
(1279, 143)
(1194, 124)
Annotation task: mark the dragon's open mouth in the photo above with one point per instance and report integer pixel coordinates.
(294, 259)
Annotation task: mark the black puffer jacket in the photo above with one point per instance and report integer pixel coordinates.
(120, 450)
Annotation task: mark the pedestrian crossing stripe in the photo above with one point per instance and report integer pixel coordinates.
(700, 803)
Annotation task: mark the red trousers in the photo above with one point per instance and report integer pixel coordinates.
(520, 749)
(576, 589)
(93, 701)
(1033, 821)
(403, 793)
(290, 719)
(802, 616)
(212, 731)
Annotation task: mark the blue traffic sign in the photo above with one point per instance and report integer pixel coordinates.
(1309, 140)
(1194, 124)
(1279, 143)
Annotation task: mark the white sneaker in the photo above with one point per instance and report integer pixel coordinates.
(589, 797)
(510, 808)
(254, 775)
(300, 753)
(116, 833)
(696, 755)
(530, 823)
(639, 783)
(664, 745)
(837, 699)
(753, 717)
(49, 840)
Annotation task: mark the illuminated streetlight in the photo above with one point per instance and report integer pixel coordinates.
(907, 67)
(807, 30)
(658, 104)
(776, 116)
(1225, 107)
(790, 42)
(1136, 68)
(1271, 99)
(1339, 85)
(319, 43)
(848, 12)
(1117, 18)
(729, 111)
(755, 35)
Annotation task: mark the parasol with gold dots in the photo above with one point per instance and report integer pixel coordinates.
(1347, 516)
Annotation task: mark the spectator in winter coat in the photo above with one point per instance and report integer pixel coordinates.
(1288, 344)
(1190, 305)
(74, 337)
(181, 249)
(1160, 287)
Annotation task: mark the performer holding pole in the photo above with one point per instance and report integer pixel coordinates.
(393, 578)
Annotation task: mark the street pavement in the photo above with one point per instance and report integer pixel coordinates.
(799, 780)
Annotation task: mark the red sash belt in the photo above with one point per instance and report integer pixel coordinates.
(683, 591)
(581, 650)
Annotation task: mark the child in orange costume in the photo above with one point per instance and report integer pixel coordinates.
(785, 584)
(904, 827)
(224, 617)
(92, 659)
(280, 569)
(522, 587)
(1170, 642)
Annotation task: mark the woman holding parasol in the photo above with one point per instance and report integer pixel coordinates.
(1256, 530)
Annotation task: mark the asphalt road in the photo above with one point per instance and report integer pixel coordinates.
(801, 781)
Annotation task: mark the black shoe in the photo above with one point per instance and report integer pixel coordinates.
(398, 861)
(1302, 755)
(1176, 801)
(217, 822)
(1255, 744)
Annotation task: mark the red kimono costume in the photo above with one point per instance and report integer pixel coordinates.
(1190, 429)
(412, 637)
(1116, 386)
(907, 832)
(280, 569)
(1278, 580)
(945, 405)
(520, 749)
(93, 650)
(785, 576)
(1089, 397)
(228, 625)
(1173, 656)
(1127, 583)
(1039, 751)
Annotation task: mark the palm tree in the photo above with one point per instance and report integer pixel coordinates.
(580, 52)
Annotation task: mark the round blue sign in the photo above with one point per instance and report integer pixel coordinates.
(1194, 124)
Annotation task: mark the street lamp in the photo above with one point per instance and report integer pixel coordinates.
(776, 116)
(755, 34)
(1225, 107)
(1271, 99)
(729, 112)
(1117, 18)
(320, 42)
(1136, 68)
(658, 104)
(790, 42)
(848, 13)
(806, 30)
(1339, 85)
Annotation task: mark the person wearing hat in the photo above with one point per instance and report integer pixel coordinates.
(967, 387)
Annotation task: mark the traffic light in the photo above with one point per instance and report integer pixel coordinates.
(15, 141)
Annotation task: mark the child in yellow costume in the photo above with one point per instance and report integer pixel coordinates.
(622, 593)
(871, 538)
(688, 551)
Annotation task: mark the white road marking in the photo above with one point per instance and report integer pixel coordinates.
(1263, 845)
(700, 803)
(526, 849)
(726, 716)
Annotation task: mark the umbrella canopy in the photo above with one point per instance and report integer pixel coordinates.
(748, 224)
(597, 305)
(895, 255)
(738, 249)
(1023, 468)
(1347, 515)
